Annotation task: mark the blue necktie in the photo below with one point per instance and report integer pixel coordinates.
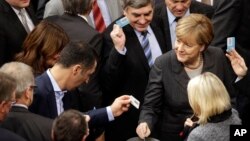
(146, 48)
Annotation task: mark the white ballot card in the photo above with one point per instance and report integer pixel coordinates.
(135, 102)
(230, 43)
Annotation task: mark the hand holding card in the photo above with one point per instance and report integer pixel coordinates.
(230, 43)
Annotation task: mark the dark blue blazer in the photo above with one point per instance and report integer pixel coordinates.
(45, 103)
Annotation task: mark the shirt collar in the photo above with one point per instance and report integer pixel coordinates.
(54, 83)
(21, 105)
(84, 17)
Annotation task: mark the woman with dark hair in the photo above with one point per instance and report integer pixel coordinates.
(42, 46)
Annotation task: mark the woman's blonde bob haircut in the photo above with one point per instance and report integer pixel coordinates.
(196, 25)
(207, 96)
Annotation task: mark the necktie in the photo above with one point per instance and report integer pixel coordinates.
(24, 21)
(173, 35)
(208, 2)
(146, 48)
(98, 19)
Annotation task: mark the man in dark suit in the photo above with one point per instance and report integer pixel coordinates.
(126, 67)
(78, 29)
(167, 15)
(7, 97)
(20, 121)
(12, 31)
(226, 11)
(76, 26)
(76, 64)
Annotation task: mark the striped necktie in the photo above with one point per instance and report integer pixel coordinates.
(98, 19)
(146, 48)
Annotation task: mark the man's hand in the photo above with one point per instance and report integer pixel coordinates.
(143, 130)
(118, 37)
(237, 62)
(120, 105)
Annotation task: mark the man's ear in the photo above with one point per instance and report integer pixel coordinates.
(27, 96)
(76, 69)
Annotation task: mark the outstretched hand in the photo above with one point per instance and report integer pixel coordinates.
(237, 62)
(120, 105)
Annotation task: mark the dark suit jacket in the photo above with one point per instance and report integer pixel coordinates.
(39, 7)
(166, 96)
(125, 74)
(45, 103)
(78, 29)
(243, 31)
(7, 135)
(28, 125)
(226, 11)
(161, 17)
(12, 32)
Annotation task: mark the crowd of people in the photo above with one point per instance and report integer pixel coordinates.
(68, 69)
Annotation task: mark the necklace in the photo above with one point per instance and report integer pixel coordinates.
(197, 66)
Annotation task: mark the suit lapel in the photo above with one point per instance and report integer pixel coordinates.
(133, 44)
(50, 96)
(208, 64)
(179, 73)
(15, 20)
(165, 25)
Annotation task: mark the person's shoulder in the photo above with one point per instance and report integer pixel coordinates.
(214, 50)
(43, 83)
(198, 7)
(39, 118)
(166, 57)
(7, 135)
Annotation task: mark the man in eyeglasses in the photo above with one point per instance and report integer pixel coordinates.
(24, 123)
(7, 95)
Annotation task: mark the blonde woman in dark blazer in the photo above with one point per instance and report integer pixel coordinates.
(166, 99)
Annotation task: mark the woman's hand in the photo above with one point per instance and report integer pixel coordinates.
(237, 62)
